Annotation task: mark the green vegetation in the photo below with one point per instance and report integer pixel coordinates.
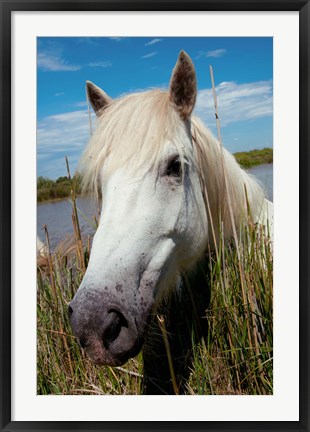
(254, 157)
(236, 358)
(48, 189)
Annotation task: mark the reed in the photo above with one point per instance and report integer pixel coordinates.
(162, 326)
(236, 357)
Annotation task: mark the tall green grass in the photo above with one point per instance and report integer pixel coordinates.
(235, 358)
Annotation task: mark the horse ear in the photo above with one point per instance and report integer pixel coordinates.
(97, 97)
(183, 85)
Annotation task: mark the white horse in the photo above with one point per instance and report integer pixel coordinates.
(168, 189)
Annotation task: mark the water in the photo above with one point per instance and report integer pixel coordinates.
(57, 215)
(264, 173)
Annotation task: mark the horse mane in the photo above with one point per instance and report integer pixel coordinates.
(241, 190)
(132, 130)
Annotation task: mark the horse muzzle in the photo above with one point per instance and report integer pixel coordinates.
(104, 329)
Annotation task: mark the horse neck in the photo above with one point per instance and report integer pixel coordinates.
(231, 195)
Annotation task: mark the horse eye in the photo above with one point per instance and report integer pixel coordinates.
(174, 168)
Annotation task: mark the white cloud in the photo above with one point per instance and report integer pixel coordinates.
(236, 102)
(100, 64)
(79, 104)
(59, 94)
(94, 41)
(67, 117)
(215, 53)
(55, 63)
(153, 41)
(59, 135)
(149, 55)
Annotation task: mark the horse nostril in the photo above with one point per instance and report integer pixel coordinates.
(113, 325)
(83, 342)
(70, 311)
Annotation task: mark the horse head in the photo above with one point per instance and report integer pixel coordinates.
(154, 222)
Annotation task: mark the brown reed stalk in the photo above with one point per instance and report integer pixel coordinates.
(206, 196)
(161, 321)
(252, 296)
(241, 272)
(88, 246)
(75, 220)
(222, 162)
(226, 184)
(89, 114)
(203, 185)
(50, 263)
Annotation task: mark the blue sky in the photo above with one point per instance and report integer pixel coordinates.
(243, 76)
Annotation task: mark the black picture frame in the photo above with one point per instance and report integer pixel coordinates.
(7, 7)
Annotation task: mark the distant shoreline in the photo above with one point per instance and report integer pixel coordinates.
(54, 200)
(49, 191)
(254, 157)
